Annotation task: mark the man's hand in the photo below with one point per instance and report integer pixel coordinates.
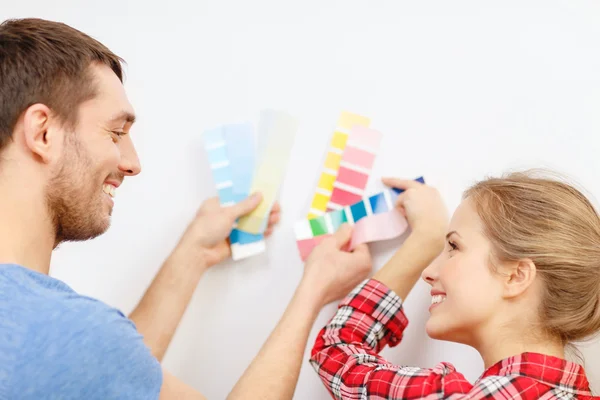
(208, 233)
(203, 244)
(333, 271)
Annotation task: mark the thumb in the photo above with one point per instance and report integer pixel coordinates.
(363, 250)
(246, 206)
(360, 259)
(343, 235)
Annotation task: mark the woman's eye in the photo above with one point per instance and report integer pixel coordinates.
(452, 245)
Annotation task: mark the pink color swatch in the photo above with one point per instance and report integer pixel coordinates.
(356, 156)
(378, 227)
(343, 198)
(352, 178)
(366, 137)
(373, 228)
(306, 246)
(357, 161)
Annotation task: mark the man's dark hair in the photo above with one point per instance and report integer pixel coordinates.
(47, 62)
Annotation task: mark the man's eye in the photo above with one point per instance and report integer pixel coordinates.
(116, 135)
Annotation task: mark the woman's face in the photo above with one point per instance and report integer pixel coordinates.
(466, 293)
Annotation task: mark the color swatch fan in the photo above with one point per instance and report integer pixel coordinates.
(340, 194)
(237, 172)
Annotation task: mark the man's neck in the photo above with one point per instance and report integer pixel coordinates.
(26, 233)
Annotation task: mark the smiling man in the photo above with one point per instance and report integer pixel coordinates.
(65, 148)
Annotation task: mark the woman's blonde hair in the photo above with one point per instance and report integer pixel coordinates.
(543, 219)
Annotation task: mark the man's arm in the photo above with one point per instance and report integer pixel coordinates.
(203, 245)
(329, 274)
(159, 312)
(174, 389)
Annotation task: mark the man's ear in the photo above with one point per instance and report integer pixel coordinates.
(519, 277)
(38, 133)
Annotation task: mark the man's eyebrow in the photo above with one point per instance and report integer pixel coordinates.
(123, 116)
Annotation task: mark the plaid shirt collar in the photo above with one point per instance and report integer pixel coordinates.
(552, 371)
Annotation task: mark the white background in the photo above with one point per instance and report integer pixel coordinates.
(460, 89)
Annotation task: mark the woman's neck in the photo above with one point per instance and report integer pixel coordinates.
(501, 347)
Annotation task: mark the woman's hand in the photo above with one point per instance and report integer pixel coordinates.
(423, 207)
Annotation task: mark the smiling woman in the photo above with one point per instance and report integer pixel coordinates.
(551, 231)
(518, 280)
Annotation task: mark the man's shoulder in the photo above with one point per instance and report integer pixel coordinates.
(69, 342)
(30, 300)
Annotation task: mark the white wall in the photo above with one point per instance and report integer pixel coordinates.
(460, 89)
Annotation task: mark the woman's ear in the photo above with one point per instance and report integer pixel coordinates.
(521, 275)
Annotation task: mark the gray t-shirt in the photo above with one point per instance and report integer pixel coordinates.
(57, 344)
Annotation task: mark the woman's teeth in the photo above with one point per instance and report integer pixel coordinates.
(438, 298)
(109, 190)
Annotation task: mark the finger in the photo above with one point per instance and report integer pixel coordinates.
(362, 250)
(400, 203)
(403, 184)
(246, 206)
(343, 235)
(276, 208)
(360, 258)
(212, 200)
(274, 219)
(211, 203)
(268, 232)
(403, 197)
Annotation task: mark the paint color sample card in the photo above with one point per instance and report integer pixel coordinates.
(239, 139)
(240, 144)
(330, 222)
(346, 122)
(280, 129)
(222, 166)
(355, 167)
(374, 218)
(215, 146)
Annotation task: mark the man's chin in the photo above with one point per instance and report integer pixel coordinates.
(83, 235)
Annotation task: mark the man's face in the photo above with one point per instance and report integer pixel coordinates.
(95, 159)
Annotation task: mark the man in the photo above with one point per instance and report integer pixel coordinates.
(65, 148)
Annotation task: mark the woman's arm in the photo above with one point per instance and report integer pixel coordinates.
(345, 354)
(329, 274)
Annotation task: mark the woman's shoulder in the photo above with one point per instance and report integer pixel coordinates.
(533, 375)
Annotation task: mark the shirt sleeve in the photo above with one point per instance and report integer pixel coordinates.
(345, 354)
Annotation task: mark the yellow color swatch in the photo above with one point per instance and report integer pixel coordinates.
(339, 140)
(345, 123)
(326, 182)
(280, 129)
(319, 201)
(348, 120)
(333, 161)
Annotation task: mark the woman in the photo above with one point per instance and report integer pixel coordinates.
(516, 276)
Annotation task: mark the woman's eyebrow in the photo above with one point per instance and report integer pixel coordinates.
(451, 233)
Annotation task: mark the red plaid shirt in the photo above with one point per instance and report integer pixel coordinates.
(371, 317)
